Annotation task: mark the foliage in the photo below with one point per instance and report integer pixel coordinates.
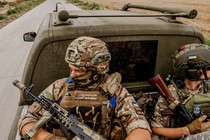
(16, 8)
(88, 5)
(207, 41)
(2, 3)
(2, 16)
(12, 4)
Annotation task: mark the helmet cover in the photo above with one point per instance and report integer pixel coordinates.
(89, 53)
(191, 56)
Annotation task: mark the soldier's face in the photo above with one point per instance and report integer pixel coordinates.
(75, 72)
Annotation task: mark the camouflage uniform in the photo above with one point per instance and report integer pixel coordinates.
(188, 61)
(62, 91)
(164, 121)
(126, 108)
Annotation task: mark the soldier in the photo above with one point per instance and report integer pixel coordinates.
(188, 85)
(98, 99)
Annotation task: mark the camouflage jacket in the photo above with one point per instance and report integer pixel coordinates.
(126, 108)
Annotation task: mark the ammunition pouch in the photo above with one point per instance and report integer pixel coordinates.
(91, 108)
(199, 104)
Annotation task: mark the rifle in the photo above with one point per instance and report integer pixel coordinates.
(176, 107)
(68, 122)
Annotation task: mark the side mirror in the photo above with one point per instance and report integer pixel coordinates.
(29, 36)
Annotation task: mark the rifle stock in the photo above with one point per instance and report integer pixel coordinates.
(176, 107)
(158, 83)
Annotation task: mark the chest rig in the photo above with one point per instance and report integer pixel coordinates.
(90, 107)
(197, 102)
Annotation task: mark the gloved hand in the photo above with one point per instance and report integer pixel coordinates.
(198, 126)
(53, 137)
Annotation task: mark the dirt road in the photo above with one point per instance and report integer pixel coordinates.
(202, 21)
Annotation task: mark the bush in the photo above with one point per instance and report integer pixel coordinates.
(11, 11)
(2, 16)
(12, 4)
(2, 3)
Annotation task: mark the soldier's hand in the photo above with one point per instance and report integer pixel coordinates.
(53, 137)
(205, 126)
(198, 126)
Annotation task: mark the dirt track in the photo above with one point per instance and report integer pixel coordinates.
(202, 21)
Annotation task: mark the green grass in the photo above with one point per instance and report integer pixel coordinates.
(2, 3)
(13, 4)
(2, 16)
(207, 41)
(87, 5)
(19, 8)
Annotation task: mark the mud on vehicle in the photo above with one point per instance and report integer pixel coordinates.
(141, 46)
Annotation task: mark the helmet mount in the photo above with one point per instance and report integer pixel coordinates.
(189, 60)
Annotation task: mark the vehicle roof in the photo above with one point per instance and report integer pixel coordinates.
(118, 23)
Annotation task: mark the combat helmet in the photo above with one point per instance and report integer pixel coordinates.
(189, 59)
(91, 55)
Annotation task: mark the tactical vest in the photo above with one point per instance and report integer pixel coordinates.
(94, 108)
(197, 104)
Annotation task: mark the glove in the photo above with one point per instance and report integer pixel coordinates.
(53, 137)
(198, 126)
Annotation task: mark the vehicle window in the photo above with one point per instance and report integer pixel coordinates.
(135, 60)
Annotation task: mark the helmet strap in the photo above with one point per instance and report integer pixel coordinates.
(205, 74)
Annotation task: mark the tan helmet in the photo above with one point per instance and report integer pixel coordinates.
(189, 59)
(89, 53)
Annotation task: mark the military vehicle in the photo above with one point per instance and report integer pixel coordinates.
(141, 46)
